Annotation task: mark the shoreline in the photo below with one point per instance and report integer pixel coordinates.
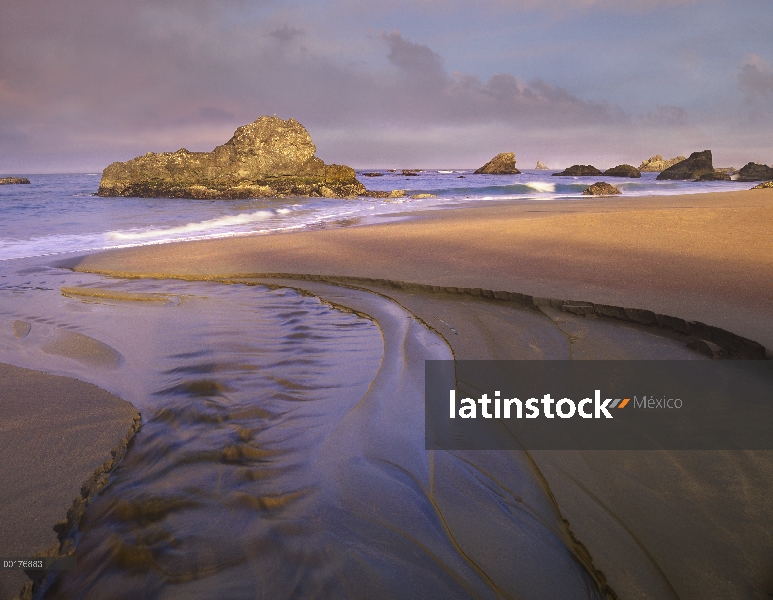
(699, 257)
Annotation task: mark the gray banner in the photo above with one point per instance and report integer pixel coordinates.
(599, 405)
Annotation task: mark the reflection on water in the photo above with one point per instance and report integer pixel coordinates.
(282, 452)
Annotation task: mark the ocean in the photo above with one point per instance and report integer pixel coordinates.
(58, 214)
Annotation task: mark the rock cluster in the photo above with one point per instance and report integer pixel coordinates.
(541, 166)
(13, 180)
(657, 163)
(502, 164)
(755, 172)
(578, 171)
(270, 157)
(601, 188)
(698, 163)
(763, 185)
(623, 171)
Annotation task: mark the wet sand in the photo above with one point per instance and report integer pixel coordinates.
(701, 257)
(54, 433)
(655, 524)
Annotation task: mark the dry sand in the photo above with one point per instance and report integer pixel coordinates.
(54, 433)
(704, 257)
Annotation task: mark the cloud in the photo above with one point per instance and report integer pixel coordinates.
(755, 80)
(286, 33)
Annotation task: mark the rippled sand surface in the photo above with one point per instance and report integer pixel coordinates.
(282, 453)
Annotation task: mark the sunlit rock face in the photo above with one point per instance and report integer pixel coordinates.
(502, 164)
(657, 163)
(270, 157)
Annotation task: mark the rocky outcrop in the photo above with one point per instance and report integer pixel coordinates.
(714, 176)
(601, 188)
(13, 180)
(268, 158)
(763, 186)
(657, 163)
(502, 164)
(541, 166)
(698, 163)
(623, 171)
(578, 171)
(755, 172)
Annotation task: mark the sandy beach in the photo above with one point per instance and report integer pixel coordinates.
(57, 433)
(702, 257)
(655, 524)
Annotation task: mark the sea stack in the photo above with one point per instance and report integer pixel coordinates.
(623, 171)
(578, 171)
(657, 163)
(541, 166)
(502, 164)
(698, 163)
(755, 172)
(270, 157)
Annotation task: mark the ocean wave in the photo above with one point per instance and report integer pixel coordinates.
(541, 186)
(197, 227)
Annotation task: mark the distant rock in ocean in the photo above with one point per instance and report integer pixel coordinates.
(270, 157)
(541, 166)
(13, 180)
(502, 164)
(698, 163)
(601, 188)
(578, 171)
(755, 172)
(656, 164)
(623, 171)
(764, 185)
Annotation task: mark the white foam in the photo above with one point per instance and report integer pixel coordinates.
(208, 225)
(541, 186)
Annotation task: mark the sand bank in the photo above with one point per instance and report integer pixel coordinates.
(56, 439)
(700, 257)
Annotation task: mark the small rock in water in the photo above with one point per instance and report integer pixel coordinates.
(396, 194)
(422, 196)
(623, 171)
(578, 171)
(410, 172)
(372, 174)
(601, 188)
(763, 185)
(13, 180)
(541, 166)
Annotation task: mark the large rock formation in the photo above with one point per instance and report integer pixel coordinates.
(656, 164)
(13, 180)
(502, 164)
(698, 163)
(541, 166)
(601, 188)
(268, 158)
(623, 171)
(755, 172)
(578, 171)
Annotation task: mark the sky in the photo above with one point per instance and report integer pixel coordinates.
(388, 83)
